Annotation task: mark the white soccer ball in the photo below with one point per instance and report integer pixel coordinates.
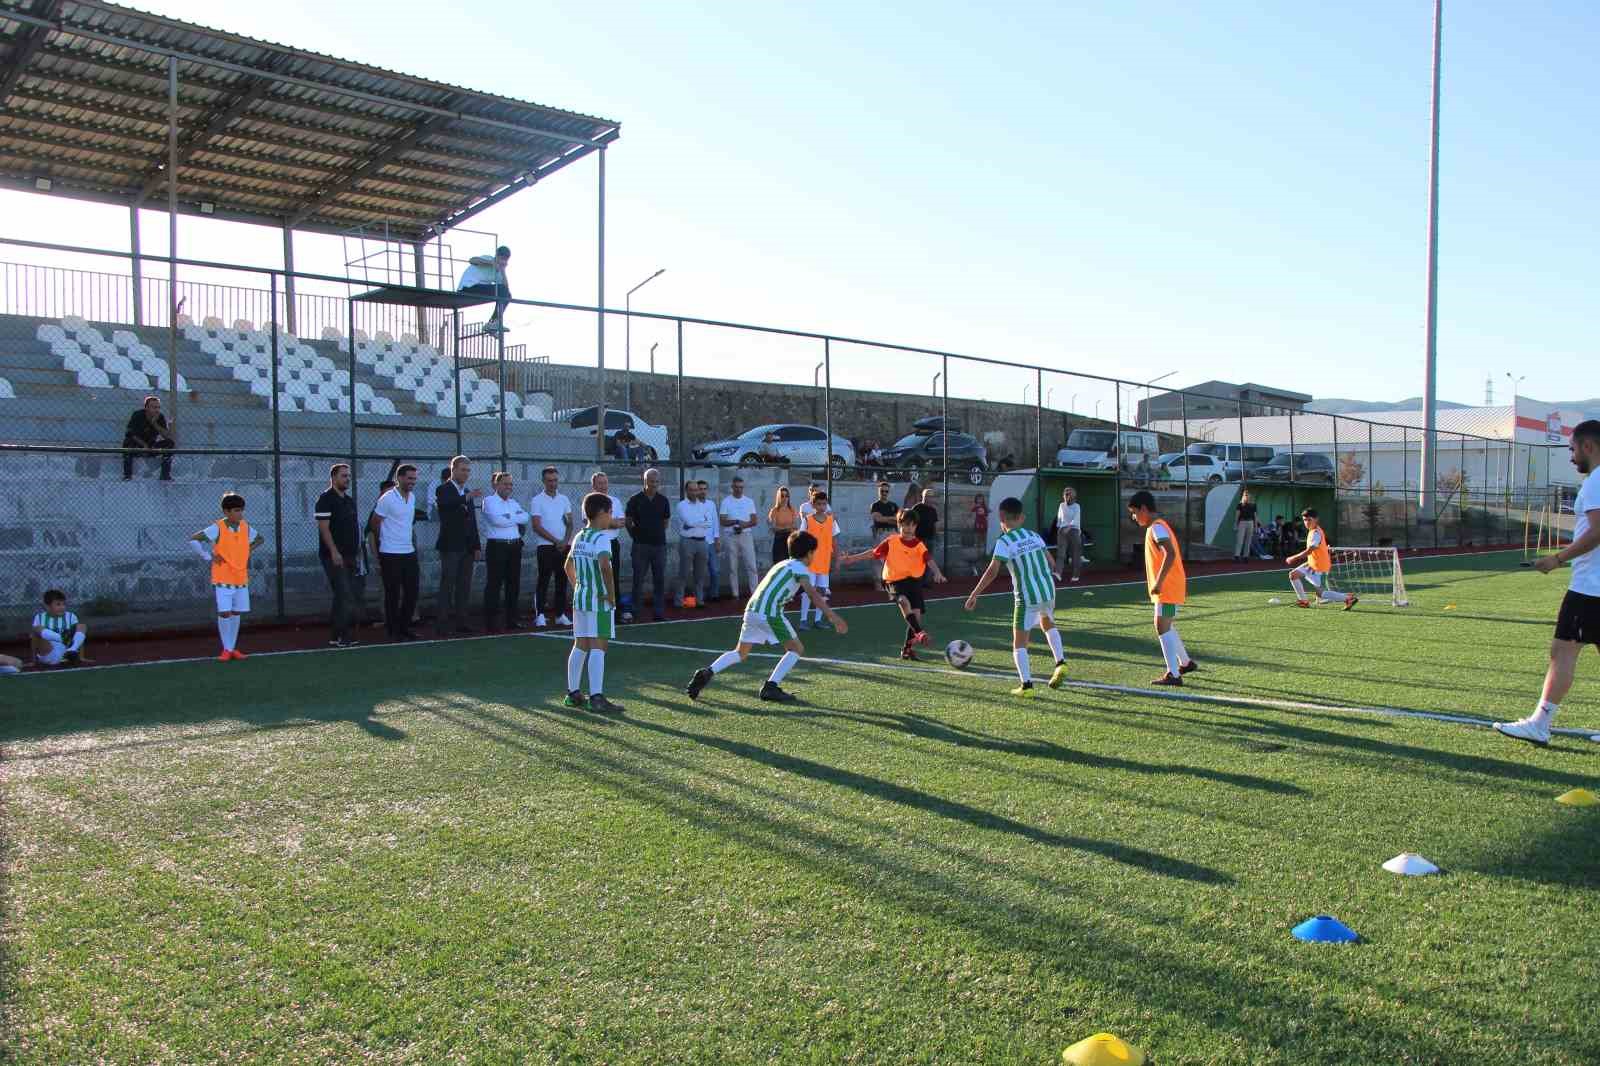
(958, 653)
(1274, 601)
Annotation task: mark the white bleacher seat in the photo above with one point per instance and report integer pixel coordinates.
(6, 392)
(385, 337)
(163, 382)
(184, 321)
(322, 362)
(332, 333)
(49, 332)
(94, 378)
(124, 340)
(73, 323)
(244, 325)
(364, 391)
(116, 363)
(288, 403)
(77, 360)
(261, 387)
(100, 349)
(382, 405)
(211, 322)
(132, 379)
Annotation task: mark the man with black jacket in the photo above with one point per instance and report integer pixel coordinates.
(150, 433)
(458, 547)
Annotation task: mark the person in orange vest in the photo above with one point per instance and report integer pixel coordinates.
(1316, 562)
(1166, 582)
(905, 559)
(821, 523)
(226, 544)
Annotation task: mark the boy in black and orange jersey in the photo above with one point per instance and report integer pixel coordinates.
(905, 559)
(1166, 582)
(1314, 564)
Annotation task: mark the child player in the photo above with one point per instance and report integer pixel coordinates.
(1033, 587)
(1318, 560)
(594, 603)
(1166, 581)
(824, 526)
(226, 545)
(905, 559)
(764, 622)
(57, 634)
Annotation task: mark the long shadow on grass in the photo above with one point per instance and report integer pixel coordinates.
(1567, 854)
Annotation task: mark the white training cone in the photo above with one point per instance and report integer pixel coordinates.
(1411, 864)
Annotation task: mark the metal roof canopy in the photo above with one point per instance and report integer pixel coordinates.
(265, 133)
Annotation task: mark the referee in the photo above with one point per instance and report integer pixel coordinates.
(1579, 621)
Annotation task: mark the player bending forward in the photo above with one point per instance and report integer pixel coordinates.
(1579, 621)
(226, 544)
(1316, 562)
(1167, 582)
(1033, 588)
(594, 603)
(764, 622)
(905, 560)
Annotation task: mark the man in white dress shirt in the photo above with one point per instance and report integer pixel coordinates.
(694, 517)
(503, 522)
(550, 522)
(397, 552)
(737, 515)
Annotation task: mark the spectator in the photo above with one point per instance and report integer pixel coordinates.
(808, 508)
(599, 482)
(550, 519)
(1143, 473)
(486, 276)
(694, 518)
(927, 513)
(781, 519)
(1069, 535)
(370, 530)
(1244, 527)
(149, 434)
(339, 549)
(882, 511)
(10, 665)
(57, 635)
(394, 519)
(504, 521)
(737, 514)
(647, 515)
(625, 445)
(459, 547)
(913, 495)
(713, 545)
(980, 518)
(768, 452)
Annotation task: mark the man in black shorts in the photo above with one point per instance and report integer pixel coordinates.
(1579, 621)
(883, 512)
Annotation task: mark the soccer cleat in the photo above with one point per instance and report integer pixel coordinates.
(237, 654)
(697, 684)
(1058, 676)
(538, 620)
(601, 705)
(563, 621)
(225, 657)
(1351, 600)
(574, 699)
(1301, 603)
(773, 694)
(1024, 690)
(1169, 679)
(1533, 729)
(804, 623)
(921, 637)
(1188, 668)
(907, 653)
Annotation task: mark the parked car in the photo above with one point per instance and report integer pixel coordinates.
(1296, 466)
(1203, 469)
(786, 443)
(928, 449)
(1167, 457)
(1239, 459)
(653, 438)
(1096, 449)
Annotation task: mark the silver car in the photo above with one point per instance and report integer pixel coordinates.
(785, 443)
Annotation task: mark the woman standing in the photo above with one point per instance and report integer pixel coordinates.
(1069, 535)
(781, 518)
(1244, 527)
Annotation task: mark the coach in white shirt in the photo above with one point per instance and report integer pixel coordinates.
(503, 522)
(397, 553)
(550, 525)
(1069, 533)
(694, 517)
(738, 517)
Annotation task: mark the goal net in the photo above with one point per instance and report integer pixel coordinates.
(1371, 573)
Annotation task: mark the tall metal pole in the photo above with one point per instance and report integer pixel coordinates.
(172, 239)
(944, 421)
(1188, 521)
(627, 351)
(600, 315)
(1038, 456)
(277, 458)
(683, 430)
(138, 265)
(291, 313)
(419, 272)
(827, 413)
(1427, 504)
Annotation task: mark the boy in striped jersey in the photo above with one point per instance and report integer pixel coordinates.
(1318, 562)
(226, 544)
(594, 603)
(764, 622)
(1033, 587)
(58, 636)
(1167, 583)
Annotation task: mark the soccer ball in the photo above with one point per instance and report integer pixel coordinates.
(958, 653)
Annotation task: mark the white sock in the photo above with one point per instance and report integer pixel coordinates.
(1020, 657)
(50, 635)
(225, 631)
(233, 630)
(1169, 651)
(597, 672)
(1546, 710)
(77, 642)
(575, 668)
(1299, 589)
(725, 660)
(785, 664)
(1052, 637)
(806, 608)
(1183, 653)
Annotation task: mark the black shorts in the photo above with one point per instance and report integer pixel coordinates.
(1579, 619)
(910, 588)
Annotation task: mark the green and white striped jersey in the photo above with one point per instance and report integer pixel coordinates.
(777, 588)
(588, 548)
(65, 623)
(1025, 555)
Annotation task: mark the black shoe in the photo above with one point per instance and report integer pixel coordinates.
(697, 684)
(772, 693)
(127, 477)
(72, 658)
(600, 705)
(1189, 667)
(348, 643)
(575, 699)
(335, 643)
(1169, 679)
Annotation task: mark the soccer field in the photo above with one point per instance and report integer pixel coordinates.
(413, 854)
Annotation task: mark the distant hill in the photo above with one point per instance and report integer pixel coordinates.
(1335, 406)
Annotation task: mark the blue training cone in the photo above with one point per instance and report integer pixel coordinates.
(1325, 929)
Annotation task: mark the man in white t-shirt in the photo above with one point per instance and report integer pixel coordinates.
(550, 529)
(694, 516)
(486, 276)
(1069, 534)
(1579, 621)
(738, 516)
(397, 553)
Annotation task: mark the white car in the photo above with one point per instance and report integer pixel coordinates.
(652, 438)
(786, 443)
(1202, 469)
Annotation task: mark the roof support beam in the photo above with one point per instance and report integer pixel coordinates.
(29, 41)
(370, 166)
(214, 124)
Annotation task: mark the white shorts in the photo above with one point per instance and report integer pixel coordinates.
(1027, 617)
(1316, 577)
(596, 625)
(819, 582)
(765, 629)
(230, 599)
(53, 653)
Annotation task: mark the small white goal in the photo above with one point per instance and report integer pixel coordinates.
(1370, 573)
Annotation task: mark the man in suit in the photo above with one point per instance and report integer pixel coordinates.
(458, 546)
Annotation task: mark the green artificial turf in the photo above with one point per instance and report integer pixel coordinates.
(414, 854)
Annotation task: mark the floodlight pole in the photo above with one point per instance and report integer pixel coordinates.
(627, 342)
(289, 316)
(1426, 502)
(138, 265)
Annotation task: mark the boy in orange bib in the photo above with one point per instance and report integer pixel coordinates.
(905, 560)
(1317, 563)
(1167, 583)
(226, 545)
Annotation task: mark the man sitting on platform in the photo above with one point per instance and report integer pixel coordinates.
(486, 276)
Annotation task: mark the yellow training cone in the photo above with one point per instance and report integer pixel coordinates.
(1449, 606)
(1578, 797)
(1102, 1049)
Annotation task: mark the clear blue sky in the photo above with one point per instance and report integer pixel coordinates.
(1228, 189)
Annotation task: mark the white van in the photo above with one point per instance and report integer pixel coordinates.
(1096, 449)
(1238, 460)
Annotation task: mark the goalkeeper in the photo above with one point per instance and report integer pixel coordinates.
(1314, 564)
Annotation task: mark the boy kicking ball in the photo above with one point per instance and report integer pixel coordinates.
(1168, 585)
(1316, 562)
(905, 560)
(1033, 587)
(226, 545)
(764, 622)
(594, 603)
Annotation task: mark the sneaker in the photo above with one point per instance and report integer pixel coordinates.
(627, 617)
(772, 693)
(348, 642)
(805, 623)
(574, 699)
(1169, 679)
(921, 638)
(1024, 690)
(563, 621)
(1058, 675)
(539, 621)
(335, 643)
(1188, 668)
(1533, 729)
(237, 654)
(598, 703)
(1302, 603)
(225, 657)
(1076, 580)
(697, 684)
(907, 653)
(1351, 600)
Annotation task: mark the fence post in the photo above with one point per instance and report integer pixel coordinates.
(944, 420)
(683, 430)
(827, 414)
(277, 451)
(1338, 519)
(1188, 516)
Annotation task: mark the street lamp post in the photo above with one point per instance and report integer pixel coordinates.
(653, 348)
(1147, 385)
(627, 343)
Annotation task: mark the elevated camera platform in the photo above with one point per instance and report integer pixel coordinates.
(411, 296)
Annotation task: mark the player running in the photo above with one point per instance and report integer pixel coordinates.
(1168, 584)
(824, 526)
(764, 622)
(905, 560)
(594, 604)
(1033, 587)
(1317, 562)
(1579, 621)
